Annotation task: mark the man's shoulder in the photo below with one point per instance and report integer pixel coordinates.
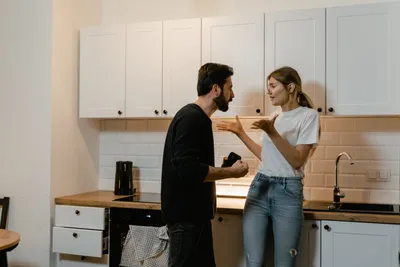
(189, 112)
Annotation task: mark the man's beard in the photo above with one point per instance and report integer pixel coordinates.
(221, 102)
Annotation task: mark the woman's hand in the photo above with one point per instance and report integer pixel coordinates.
(266, 125)
(234, 127)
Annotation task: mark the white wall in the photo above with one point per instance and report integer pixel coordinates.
(75, 142)
(44, 149)
(25, 119)
(127, 11)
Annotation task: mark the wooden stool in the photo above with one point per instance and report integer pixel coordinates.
(8, 241)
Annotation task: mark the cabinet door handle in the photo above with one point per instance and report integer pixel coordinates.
(330, 109)
(314, 226)
(156, 112)
(258, 110)
(319, 109)
(75, 235)
(220, 219)
(77, 212)
(165, 112)
(119, 112)
(327, 228)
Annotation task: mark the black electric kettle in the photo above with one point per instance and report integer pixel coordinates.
(123, 178)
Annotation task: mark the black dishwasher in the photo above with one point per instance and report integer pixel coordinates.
(120, 219)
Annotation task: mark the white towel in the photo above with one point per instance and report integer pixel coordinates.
(145, 246)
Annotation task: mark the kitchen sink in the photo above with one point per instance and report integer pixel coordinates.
(353, 207)
(367, 207)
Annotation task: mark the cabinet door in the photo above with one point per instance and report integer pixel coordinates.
(181, 62)
(228, 240)
(297, 39)
(102, 72)
(144, 69)
(363, 59)
(238, 42)
(349, 244)
(310, 245)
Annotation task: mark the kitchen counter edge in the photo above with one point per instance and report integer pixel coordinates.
(104, 199)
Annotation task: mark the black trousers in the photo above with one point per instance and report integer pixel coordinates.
(190, 244)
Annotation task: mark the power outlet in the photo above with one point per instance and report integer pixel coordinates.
(384, 175)
(378, 175)
(372, 175)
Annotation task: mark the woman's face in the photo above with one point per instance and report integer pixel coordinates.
(278, 93)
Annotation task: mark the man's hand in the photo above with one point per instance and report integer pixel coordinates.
(240, 169)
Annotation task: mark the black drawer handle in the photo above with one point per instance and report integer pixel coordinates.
(77, 212)
(75, 235)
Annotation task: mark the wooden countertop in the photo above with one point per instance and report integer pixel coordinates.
(224, 205)
(8, 239)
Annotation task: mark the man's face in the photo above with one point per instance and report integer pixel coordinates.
(225, 96)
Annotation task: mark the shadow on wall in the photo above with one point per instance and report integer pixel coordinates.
(374, 146)
(316, 92)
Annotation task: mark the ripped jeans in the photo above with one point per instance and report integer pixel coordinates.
(280, 201)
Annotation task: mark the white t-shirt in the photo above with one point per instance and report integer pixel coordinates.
(297, 126)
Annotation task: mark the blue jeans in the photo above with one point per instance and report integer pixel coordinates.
(279, 200)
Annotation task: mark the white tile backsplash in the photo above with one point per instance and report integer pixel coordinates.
(374, 144)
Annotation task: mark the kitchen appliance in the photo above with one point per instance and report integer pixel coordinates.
(121, 218)
(123, 178)
(142, 197)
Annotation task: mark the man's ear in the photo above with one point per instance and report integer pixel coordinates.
(216, 89)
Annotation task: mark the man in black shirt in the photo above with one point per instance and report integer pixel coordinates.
(188, 197)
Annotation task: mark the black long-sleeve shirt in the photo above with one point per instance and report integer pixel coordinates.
(188, 153)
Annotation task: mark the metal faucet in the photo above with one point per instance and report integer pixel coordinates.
(337, 195)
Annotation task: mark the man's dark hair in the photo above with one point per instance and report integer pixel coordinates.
(210, 74)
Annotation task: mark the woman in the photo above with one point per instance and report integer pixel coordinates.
(276, 193)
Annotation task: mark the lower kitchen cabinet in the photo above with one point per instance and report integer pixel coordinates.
(323, 244)
(309, 254)
(228, 240)
(228, 243)
(349, 244)
(80, 239)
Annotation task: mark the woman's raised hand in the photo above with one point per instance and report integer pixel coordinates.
(234, 127)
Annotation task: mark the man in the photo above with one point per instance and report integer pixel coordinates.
(188, 197)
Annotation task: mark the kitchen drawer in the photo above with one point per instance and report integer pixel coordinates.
(90, 243)
(81, 217)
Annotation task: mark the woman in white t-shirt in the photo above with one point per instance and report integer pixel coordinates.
(276, 192)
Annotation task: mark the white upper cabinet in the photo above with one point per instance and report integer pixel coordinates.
(144, 69)
(363, 59)
(348, 58)
(102, 72)
(238, 41)
(181, 62)
(297, 39)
